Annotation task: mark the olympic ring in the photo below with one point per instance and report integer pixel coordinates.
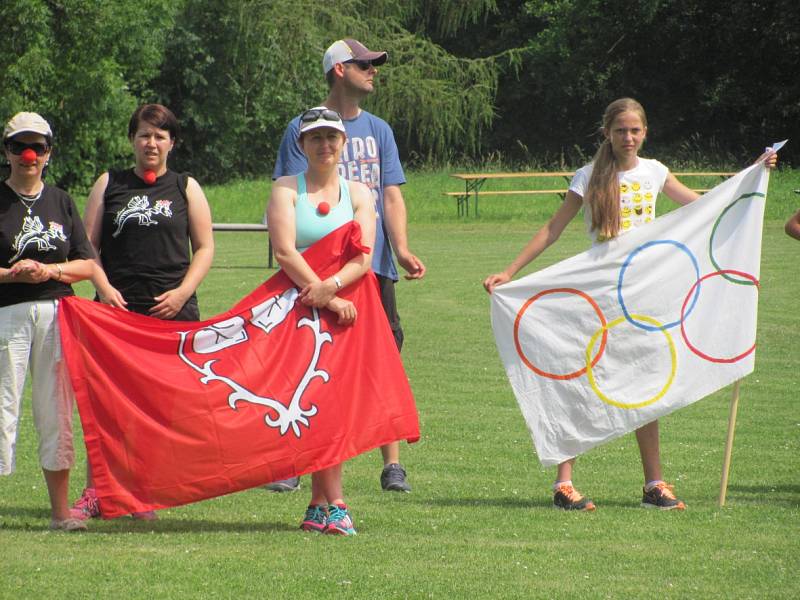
(521, 352)
(720, 270)
(604, 331)
(627, 262)
(752, 281)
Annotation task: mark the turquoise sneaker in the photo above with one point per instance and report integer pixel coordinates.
(316, 518)
(339, 521)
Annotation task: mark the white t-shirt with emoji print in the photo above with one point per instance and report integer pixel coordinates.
(638, 191)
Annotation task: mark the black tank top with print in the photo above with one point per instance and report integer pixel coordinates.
(145, 245)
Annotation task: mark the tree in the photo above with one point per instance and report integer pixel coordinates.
(237, 70)
(81, 64)
(234, 71)
(714, 76)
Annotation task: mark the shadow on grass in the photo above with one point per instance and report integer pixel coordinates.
(523, 503)
(127, 525)
(165, 525)
(781, 494)
(505, 502)
(25, 511)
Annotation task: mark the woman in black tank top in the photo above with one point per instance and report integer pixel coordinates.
(152, 230)
(150, 226)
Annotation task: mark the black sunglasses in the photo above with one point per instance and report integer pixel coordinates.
(364, 65)
(315, 113)
(19, 147)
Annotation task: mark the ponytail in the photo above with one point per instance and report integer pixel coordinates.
(602, 194)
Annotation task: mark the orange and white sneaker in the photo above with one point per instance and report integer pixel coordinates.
(567, 497)
(662, 497)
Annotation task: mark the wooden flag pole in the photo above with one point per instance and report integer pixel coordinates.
(726, 463)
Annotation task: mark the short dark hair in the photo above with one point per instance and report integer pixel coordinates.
(156, 115)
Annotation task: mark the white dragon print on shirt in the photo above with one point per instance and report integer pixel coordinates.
(139, 208)
(33, 232)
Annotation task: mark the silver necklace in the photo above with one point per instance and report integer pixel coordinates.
(28, 201)
(32, 199)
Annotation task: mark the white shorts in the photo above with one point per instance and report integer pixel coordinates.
(29, 336)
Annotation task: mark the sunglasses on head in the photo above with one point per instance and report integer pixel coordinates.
(315, 113)
(19, 147)
(364, 65)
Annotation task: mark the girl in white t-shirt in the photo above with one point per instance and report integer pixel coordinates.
(618, 192)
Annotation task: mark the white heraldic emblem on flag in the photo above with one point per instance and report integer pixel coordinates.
(635, 328)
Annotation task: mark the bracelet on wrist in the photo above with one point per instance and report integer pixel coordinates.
(60, 272)
(338, 282)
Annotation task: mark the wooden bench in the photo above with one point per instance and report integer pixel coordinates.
(473, 182)
(247, 227)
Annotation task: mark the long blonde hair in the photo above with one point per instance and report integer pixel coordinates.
(602, 194)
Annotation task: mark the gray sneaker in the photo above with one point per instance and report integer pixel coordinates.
(284, 485)
(393, 479)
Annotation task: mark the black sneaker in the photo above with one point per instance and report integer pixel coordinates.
(284, 485)
(567, 497)
(393, 479)
(661, 497)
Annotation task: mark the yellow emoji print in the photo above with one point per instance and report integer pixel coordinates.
(636, 187)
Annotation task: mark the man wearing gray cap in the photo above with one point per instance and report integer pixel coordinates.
(370, 156)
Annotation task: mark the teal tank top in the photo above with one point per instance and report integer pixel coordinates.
(310, 226)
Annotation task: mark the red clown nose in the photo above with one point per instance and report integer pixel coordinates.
(28, 156)
(323, 208)
(149, 177)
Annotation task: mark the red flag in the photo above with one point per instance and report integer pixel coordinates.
(175, 412)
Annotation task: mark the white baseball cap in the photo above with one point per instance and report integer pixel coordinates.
(342, 51)
(27, 122)
(320, 116)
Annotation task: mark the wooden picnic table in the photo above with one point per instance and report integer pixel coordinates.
(473, 182)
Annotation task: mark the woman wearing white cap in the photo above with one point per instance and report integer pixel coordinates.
(43, 249)
(302, 209)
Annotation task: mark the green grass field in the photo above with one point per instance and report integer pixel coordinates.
(479, 522)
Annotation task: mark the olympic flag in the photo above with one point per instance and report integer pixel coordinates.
(611, 339)
(175, 412)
